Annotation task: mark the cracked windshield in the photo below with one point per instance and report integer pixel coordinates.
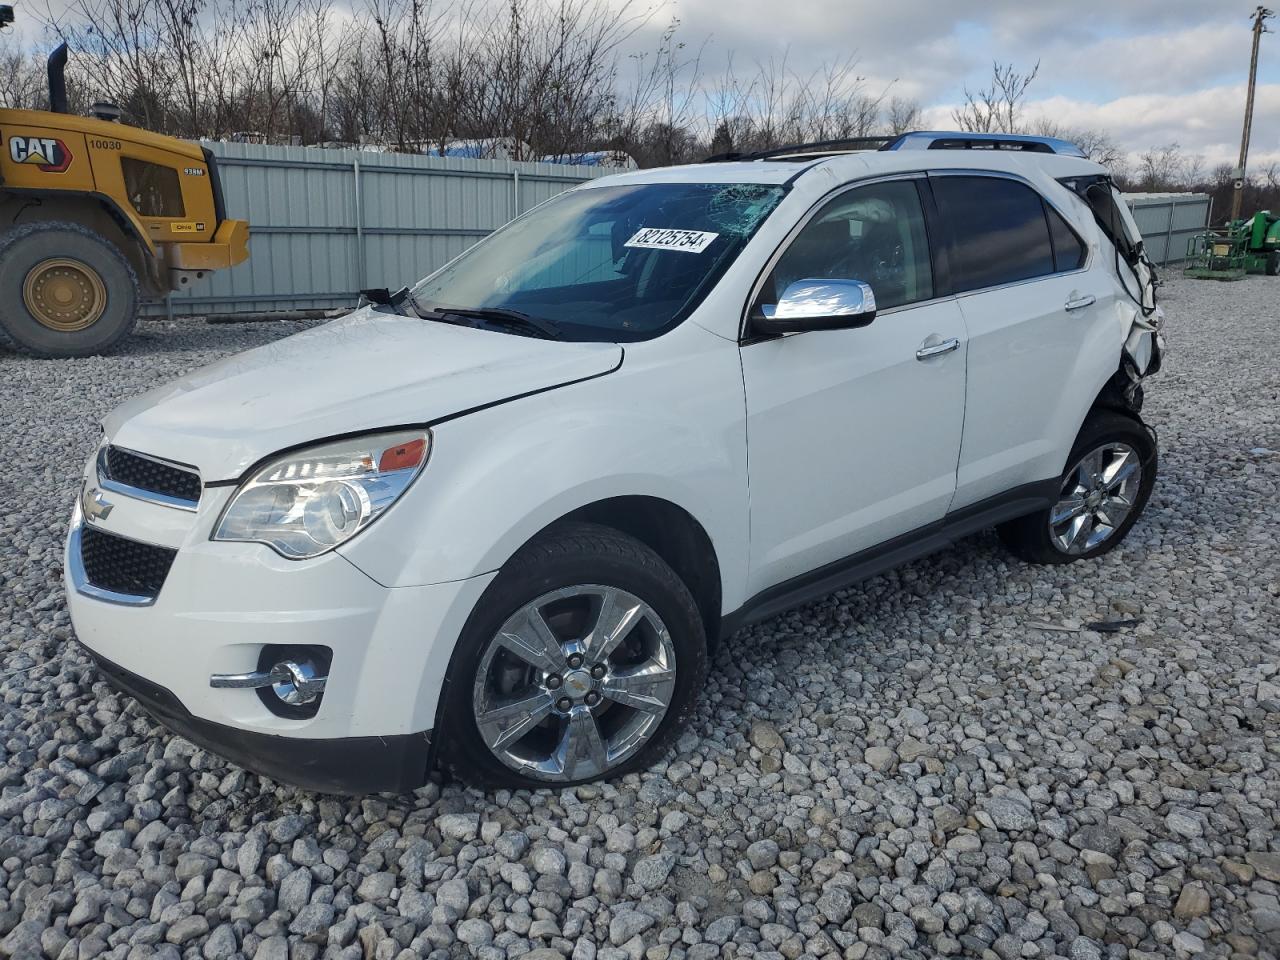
(608, 263)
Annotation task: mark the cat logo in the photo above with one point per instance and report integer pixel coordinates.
(48, 154)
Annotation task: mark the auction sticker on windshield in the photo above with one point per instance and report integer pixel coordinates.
(663, 238)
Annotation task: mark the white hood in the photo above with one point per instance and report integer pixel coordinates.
(367, 371)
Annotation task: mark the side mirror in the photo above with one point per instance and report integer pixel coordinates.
(818, 305)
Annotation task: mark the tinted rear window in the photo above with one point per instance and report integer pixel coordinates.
(1068, 250)
(998, 231)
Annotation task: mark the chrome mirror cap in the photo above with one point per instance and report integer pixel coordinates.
(818, 305)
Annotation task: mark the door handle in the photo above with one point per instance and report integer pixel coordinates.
(1079, 303)
(937, 349)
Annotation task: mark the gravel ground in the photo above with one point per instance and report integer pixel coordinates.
(912, 768)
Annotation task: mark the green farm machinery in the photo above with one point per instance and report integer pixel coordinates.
(1242, 247)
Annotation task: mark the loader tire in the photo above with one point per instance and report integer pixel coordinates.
(65, 291)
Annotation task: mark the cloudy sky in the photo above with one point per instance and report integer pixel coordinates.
(1148, 71)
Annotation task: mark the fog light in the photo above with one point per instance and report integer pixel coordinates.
(289, 680)
(297, 683)
(293, 681)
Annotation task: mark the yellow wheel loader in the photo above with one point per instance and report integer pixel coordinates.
(96, 215)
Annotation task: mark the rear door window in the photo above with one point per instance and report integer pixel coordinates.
(1068, 249)
(998, 230)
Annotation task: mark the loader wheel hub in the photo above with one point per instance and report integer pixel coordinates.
(64, 294)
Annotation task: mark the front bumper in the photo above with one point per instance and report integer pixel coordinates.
(350, 765)
(219, 606)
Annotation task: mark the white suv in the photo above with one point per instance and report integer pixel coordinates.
(500, 521)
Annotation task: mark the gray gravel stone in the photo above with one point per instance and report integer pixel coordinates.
(376, 886)
(475, 932)
(763, 854)
(548, 861)
(1009, 814)
(295, 891)
(186, 929)
(764, 737)
(454, 895)
(313, 922)
(626, 924)
(652, 872)
(882, 759)
(221, 944)
(836, 904)
(459, 826)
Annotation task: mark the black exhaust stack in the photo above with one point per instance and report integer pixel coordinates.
(57, 80)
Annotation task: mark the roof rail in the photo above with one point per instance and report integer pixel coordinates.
(804, 150)
(956, 140)
(917, 140)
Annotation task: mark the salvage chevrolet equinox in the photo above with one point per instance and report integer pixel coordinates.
(498, 521)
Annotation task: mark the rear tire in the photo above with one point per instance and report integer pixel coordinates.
(1107, 482)
(1273, 263)
(65, 291)
(576, 720)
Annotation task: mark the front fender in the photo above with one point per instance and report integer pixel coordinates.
(668, 425)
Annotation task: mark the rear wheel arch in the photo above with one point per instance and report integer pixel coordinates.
(1029, 536)
(1119, 395)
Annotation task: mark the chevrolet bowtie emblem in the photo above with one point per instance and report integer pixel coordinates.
(95, 505)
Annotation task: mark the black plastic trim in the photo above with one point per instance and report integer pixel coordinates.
(215, 183)
(928, 539)
(936, 234)
(351, 766)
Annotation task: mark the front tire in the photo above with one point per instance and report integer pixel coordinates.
(1107, 482)
(65, 290)
(580, 662)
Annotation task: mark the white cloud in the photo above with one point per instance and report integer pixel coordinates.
(1203, 123)
(1184, 59)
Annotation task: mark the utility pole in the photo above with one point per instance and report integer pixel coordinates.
(1260, 18)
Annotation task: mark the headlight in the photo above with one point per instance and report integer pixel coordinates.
(307, 502)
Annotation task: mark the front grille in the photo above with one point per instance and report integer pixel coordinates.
(133, 470)
(122, 565)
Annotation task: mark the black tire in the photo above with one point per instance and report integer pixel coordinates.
(1273, 263)
(23, 249)
(1030, 537)
(569, 555)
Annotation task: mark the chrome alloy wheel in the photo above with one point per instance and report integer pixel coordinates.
(1097, 495)
(574, 683)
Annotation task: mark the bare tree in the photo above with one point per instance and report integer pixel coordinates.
(902, 115)
(998, 106)
(22, 83)
(535, 77)
(1097, 144)
(1160, 168)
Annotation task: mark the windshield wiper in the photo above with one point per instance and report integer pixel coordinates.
(504, 317)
